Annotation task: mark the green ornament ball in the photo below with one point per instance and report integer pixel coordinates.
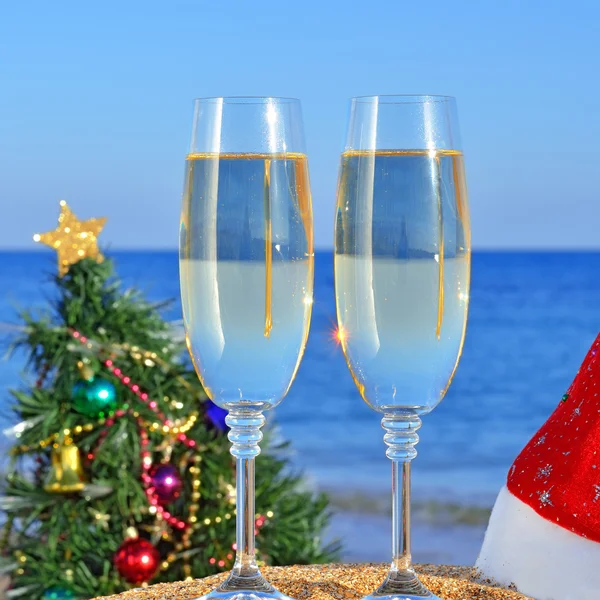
(58, 593)
(94, 397)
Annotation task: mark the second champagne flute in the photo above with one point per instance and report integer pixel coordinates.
(246, 269)
(402, 265)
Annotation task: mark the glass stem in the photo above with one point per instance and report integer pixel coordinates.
(401, 514)
(245, 435)
(401, 438)
(245, 561)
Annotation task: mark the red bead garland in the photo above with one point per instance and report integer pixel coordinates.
(150, 492)
(43, 374)
(145, 455)
(135, 388)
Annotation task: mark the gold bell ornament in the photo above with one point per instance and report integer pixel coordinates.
(66, 475)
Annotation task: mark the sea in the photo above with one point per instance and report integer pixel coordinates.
(533, 316)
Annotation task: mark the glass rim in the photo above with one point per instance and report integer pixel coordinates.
(403, 98)
(247, 99)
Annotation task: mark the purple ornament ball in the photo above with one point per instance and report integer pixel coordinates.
(166, 481)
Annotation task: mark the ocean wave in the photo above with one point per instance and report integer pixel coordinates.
(426, 511)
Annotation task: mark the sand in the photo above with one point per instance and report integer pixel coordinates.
(337, 582)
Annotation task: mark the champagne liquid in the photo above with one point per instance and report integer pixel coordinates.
(246, 271)
(402, 268)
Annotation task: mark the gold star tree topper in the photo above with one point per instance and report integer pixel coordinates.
(73, 239)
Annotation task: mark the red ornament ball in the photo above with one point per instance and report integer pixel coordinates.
(166, 481)
(137, 560)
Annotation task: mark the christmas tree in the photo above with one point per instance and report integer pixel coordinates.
(122, 473)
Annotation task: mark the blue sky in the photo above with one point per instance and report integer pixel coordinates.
(96, 103)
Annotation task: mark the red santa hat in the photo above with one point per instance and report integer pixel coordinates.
(544, 532)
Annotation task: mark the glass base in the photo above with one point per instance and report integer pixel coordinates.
(402, 596)
(245, 588)
(401, 585)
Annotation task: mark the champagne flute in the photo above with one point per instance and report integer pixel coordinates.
(402, 267)
(246, 270)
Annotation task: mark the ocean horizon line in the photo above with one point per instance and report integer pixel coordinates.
(323, 249)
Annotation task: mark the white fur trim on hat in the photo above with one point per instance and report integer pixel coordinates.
(542, 559)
